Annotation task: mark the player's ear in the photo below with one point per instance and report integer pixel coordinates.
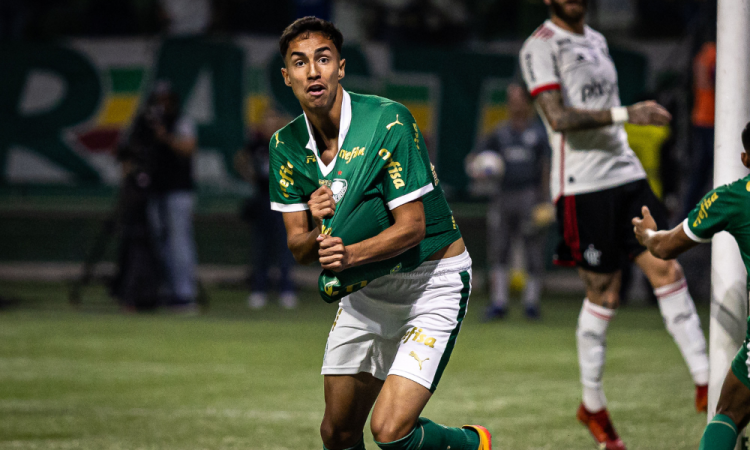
(285, 74)
(342, 65)
(745, 159)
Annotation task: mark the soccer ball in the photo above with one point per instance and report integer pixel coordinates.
(487, 164)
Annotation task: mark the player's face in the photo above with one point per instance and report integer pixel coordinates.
(313, 70)
(568, 10)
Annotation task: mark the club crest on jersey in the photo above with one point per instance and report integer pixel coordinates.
(339, 189)
(593, 256)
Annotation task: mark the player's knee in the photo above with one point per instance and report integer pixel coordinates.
(665, 272)
(334, 436)
(389, 430)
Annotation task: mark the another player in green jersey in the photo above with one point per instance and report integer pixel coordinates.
(726, 208)
(358, 194)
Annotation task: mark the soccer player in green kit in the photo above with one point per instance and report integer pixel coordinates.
(356, 189)
(723, 209)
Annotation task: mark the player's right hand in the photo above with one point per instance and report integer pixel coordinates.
(644, 228)
(648, 113)
(321, 205)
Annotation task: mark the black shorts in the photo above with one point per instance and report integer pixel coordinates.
(596, 229)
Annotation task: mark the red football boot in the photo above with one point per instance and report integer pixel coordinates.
(701, 398)
(600, 428)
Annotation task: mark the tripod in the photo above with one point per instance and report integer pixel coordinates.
(140, 269)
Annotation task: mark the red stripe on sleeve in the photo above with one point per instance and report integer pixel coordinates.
(545, 87)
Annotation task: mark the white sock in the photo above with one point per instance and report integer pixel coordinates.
(533, 291)
(682, 322)
(591, 337)
(499, 286)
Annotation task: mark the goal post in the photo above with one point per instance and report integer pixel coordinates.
(729, 296)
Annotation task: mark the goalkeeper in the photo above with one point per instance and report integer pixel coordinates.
(358, 194)
(723, 209)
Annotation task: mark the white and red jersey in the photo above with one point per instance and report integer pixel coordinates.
(581, 68)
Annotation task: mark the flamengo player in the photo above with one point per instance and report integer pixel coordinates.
(598, 185)
(391, 340)
(724, 208)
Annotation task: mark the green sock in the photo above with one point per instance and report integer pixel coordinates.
(428, 435)
(720, 434)
(360, 446)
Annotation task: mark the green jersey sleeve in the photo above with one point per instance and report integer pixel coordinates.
(286, 184)
(710, 216)
(408, 174)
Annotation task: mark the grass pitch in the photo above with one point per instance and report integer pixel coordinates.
(93, 378)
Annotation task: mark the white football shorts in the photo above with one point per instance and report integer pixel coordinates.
(402, 324)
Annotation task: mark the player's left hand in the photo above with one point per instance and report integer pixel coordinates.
(332, 253)
(644, 227)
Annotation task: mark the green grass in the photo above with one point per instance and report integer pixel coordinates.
(96, 379)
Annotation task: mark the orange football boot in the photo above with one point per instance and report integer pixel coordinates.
(701, 398)
(601, 428)
(485, 438)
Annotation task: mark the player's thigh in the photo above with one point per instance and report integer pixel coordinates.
(602, 289)
(398, 407)
(429, 337)
(349, 399)
(588, 227)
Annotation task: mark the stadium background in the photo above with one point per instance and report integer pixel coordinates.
(91, 378)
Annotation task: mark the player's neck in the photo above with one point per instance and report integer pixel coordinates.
(325, 122)
(574, 27)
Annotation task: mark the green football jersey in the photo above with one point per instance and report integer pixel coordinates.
(382, 163)
(726, 208)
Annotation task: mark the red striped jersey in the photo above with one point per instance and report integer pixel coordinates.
(580, 67)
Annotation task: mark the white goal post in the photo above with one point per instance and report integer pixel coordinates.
(729, 296)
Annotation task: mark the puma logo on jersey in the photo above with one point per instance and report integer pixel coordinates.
(419, 361)
(310, 159)
(277, 139)
(705, 205)
(388, 127)
(416, 335)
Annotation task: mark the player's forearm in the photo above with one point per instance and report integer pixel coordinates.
(304, 246)
(564, 118)
(572, 119)
(662, 245)
(391, 242)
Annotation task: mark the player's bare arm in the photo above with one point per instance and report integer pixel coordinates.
(407, 231)
(665, 244)
(303, 227)
(564, 118)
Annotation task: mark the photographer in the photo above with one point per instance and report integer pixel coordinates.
(159, 159)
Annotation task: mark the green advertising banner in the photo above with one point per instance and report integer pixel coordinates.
(64, 106)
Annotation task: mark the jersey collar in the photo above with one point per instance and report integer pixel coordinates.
(586, 30)
(344, 123)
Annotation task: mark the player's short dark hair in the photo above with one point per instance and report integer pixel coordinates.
(310, 24)
(746, 137)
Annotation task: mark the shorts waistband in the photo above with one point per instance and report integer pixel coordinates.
(454, 264)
